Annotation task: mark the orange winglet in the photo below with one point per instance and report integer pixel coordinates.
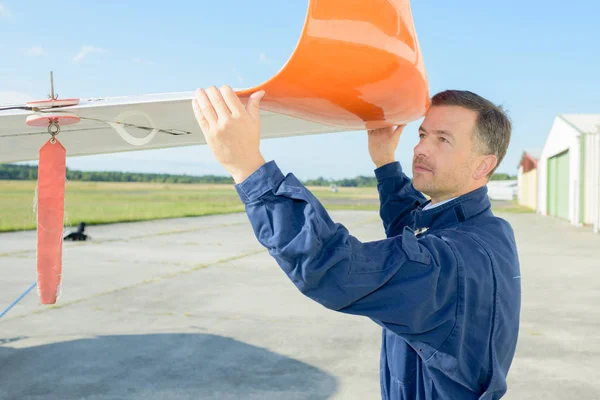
(50, 215)
(357, 65)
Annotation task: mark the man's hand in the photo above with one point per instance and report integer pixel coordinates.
(232, 131)
(383, 143)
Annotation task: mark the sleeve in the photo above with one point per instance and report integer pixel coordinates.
(398, 282)
(398, 198)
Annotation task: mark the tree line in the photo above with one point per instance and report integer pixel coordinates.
(28, 172)
(371, 181)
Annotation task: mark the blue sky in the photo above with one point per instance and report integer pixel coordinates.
(537, 58)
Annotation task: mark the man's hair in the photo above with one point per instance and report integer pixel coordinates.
(493, 127)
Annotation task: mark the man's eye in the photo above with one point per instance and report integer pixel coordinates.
(443, 139)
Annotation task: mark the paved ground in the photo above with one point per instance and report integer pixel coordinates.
(196, 309)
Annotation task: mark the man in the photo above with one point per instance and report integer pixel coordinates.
(444, 285)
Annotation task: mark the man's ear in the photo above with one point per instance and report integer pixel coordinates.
(486, 164)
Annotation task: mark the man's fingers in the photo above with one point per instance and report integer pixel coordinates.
(204, 125)
(218, 103)
(205, 108)
(399, 128)
(232, 101)
(253, 105)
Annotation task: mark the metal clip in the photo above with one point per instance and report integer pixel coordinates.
(53, 130)
(420, 231)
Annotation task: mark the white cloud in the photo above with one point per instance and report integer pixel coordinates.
(263, 58)
(3, 11)
(34, 51)
(85, 50)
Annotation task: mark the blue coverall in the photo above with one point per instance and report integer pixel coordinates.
(444, 285)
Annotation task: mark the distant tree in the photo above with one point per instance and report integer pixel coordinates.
(503, 177)
(28, 172)
(320, 181)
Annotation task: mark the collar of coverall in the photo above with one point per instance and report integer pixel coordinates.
(457, 210)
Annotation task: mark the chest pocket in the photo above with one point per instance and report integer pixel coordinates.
(410, 245)
(402, 360)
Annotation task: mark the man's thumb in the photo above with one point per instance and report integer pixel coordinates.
(399, 129)
(253, 105)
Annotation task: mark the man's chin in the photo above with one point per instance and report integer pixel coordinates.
(422, 186)
(418, 182)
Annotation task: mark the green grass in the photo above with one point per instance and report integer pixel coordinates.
(106, 202)
(111, 202)
(513, 208)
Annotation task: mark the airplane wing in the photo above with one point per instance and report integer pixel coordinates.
(129, 123)
(357, 65)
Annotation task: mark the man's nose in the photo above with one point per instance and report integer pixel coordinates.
(422, 148)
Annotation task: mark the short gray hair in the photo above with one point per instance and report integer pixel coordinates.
(493, 127)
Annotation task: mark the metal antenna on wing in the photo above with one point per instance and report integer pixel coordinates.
(52, 96)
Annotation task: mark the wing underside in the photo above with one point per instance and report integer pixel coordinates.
(130, 123)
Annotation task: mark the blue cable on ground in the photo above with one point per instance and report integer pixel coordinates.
(18, 299)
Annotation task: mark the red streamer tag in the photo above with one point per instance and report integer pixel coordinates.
(52, 170)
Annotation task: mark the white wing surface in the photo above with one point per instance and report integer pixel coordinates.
(110, 125)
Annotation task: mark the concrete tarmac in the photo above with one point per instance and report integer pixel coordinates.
(195, 308)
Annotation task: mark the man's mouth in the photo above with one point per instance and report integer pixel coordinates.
(422, 168)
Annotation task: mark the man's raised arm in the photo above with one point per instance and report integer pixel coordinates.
(398, 198)
(398, 282)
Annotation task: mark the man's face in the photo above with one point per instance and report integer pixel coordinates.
(444, 160)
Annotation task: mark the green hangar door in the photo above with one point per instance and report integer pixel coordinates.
(558, 185)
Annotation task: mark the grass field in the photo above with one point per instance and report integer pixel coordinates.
(108, 202)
